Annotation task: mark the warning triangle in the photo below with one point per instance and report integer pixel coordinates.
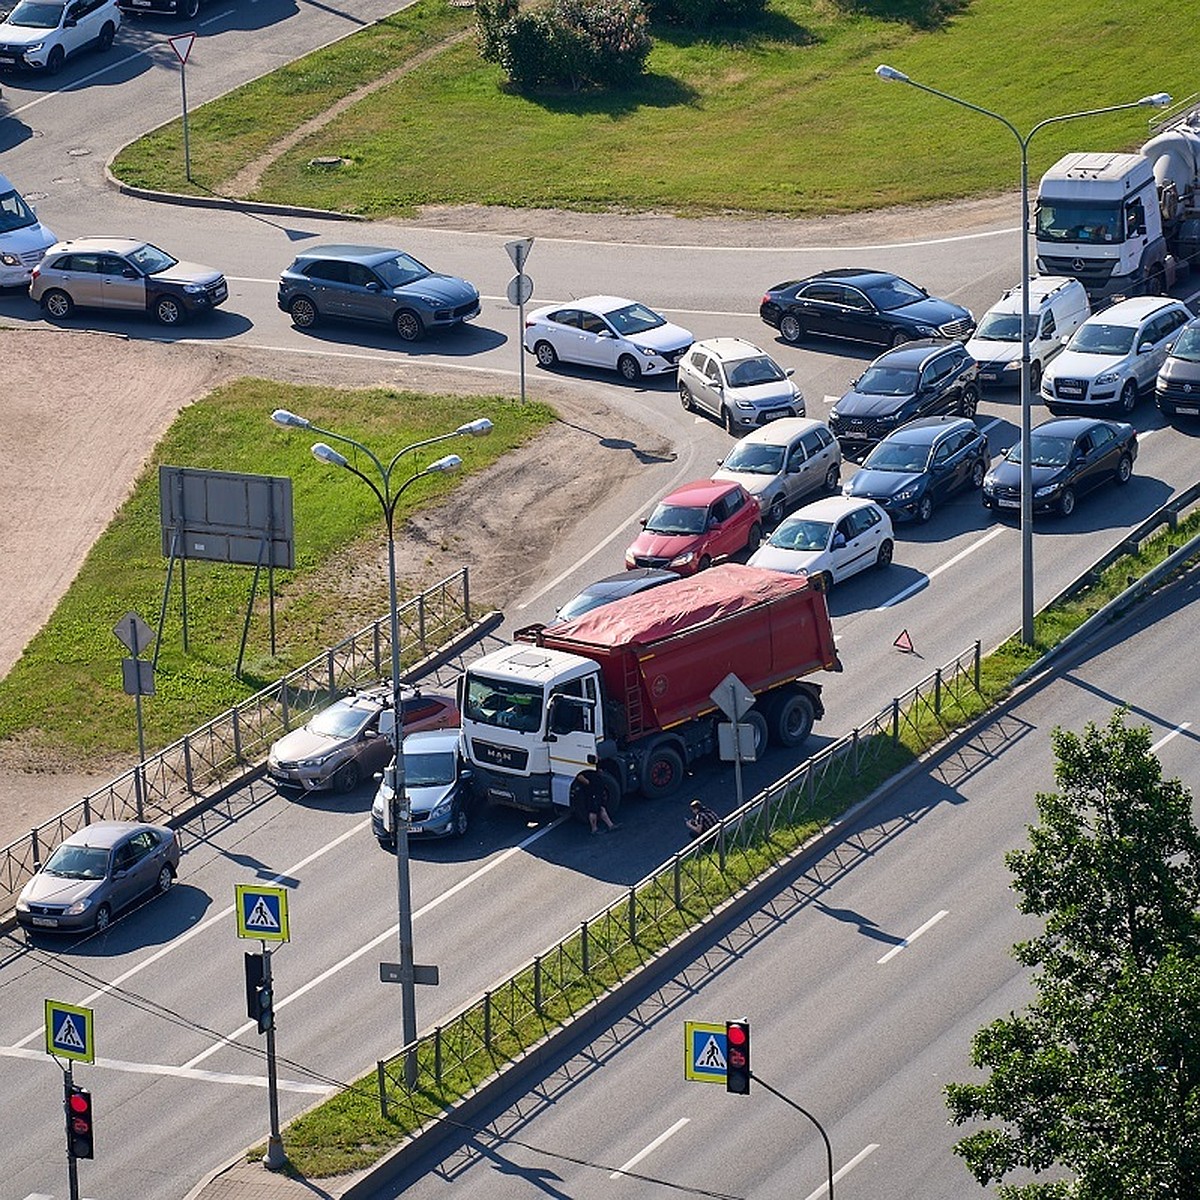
(904, 642)
(68, 1034)
(261, 916)
(711, 1057)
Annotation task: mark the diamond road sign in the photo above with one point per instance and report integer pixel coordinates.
(703, 1052)
(69, 1032)
(262, 912)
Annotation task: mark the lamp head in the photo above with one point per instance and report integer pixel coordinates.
(327, 454)
(451, 462)
(477, 428)
(1158, 100)
(281, 416)
(891, 75)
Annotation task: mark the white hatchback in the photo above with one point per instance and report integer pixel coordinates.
(832, 538)
(1114, 355)
(606, 331)
(42, 34)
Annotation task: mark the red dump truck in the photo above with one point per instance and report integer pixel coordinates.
(627, 688)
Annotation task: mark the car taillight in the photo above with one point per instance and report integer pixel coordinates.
(766, 298)
(35, 273)
(529, 322)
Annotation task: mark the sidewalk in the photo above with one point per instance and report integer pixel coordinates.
(242, 1180)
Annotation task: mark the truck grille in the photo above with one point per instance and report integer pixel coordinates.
(511, 758)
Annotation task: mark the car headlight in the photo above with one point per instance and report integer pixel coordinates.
(630, 561)
(22, 905)
(1015, 365)
(194, 288)
(834, 415)
(314, 764)
(1049, 490)
(682, 560)
(989, 484)
(34, 47)
(10, 260)
(743, 404)
(928, 330)
(80, 906)
(908, 494)
(1108, 377)
(442, 810)
(648, 351)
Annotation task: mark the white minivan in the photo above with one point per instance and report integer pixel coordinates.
(23, 238)
(1057, 307)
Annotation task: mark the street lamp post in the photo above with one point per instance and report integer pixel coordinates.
(388, 499)
(1158, 100)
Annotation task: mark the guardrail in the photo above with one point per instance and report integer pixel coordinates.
(202, 764)
(499, 1026)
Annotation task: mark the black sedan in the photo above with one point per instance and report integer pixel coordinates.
(1069, 456)
(862, 306)
(921, 465)
(614, 587)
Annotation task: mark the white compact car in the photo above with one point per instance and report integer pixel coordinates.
(606, 331)
(42, 34)
(832, 538)
(1057, 307)
(1114, 355)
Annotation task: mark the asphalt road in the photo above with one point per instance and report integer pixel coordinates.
(173, 1096)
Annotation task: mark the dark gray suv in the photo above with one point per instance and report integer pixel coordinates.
(370, 283)
(1177, 388)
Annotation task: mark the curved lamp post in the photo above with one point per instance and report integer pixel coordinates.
(1158, 100)
(388, 498)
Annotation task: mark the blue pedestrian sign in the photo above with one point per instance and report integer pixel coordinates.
(704, 1052)
(262, 912)
(69, 1032)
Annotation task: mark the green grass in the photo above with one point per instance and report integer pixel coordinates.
(785, 117)
(348, 1132)
(65, 693)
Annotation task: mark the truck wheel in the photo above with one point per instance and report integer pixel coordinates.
(758, 723)
(662, 773)
(612, 794)
(792, 719)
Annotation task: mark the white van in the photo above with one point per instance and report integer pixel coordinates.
(1057, 307)
(23, 238)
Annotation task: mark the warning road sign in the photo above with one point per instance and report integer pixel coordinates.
(262, 912)
(69, 1032)
(703, 1052)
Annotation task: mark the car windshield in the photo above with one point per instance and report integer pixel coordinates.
(150, 259)
(1078, 223)
(77, 862)
(429, 769)
(798, 533)
(893, 293)
(753, 371)
(887, 381)
(1045, 450)
(34, 15)
(503, 703)
(341, 720)
(1188, 345)
(749, 459)
(14, 213)
(1002, 327)
(634, 318)
(401, 270)
(677, 518)
(1114, 340)
(897, 456)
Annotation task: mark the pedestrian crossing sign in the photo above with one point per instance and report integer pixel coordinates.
(262, 912)
(703, 1052)
(69, 1032)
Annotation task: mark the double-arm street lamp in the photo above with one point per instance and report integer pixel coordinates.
(1159, 100)
(388, 499)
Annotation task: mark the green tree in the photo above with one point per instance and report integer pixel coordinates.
(1098, 1082)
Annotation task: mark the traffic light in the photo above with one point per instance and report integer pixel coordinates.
(79, 1124)
(737, 1057)
(259, 998)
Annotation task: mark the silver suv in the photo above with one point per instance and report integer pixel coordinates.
(739, 384)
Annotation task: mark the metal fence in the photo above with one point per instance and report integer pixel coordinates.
(503, 1023)
(203, 763)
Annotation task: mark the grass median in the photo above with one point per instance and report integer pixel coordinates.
(782, 116)
(63, 700)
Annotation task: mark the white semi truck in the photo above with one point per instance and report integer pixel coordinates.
(1125, 224)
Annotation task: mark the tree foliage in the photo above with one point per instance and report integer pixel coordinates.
(1098, 1081)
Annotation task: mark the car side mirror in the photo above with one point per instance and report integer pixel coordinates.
(606, 333)
(372, 286)
(1145, 348)
(839, 540)
(720, 462)
(790, 372)
(70, 23)
(129, 272)
(643, 521)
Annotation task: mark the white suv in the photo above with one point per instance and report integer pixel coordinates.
(739, 384)
(1114, 355)
(42, 33)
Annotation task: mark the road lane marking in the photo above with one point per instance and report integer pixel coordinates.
(654, 1145)
(78, 83)
(823, 1190)
(912, 937)
(137, 1068)
(354, 956)
(1173, 734)
(191, 933)
(950, 562)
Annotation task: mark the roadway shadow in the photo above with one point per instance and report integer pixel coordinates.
(218, 325)
(464, 341)
(663, 384)
(157, 27)
(13, 131)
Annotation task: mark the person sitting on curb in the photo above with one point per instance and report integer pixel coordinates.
(702, 819)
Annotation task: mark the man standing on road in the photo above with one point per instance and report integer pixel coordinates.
(591, 791)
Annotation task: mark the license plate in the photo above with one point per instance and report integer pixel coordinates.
(415, 829)
(7, 58)
(499, 792)
(1069, 391)
(140, 3)
(45, 922)
(1009, 503)
(773, 416)
(991, 376)
(221, 292)
(1188, 410)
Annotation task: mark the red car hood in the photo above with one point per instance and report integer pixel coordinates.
(665, 545)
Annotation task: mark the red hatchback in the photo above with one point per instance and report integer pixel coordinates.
(695, 525)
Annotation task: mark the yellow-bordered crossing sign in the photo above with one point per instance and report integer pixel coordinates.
(262, 912)
(69, 1031)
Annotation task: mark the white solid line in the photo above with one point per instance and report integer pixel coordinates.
(227, 12)
(191, 933)
(912, 937)
(823, 1190)
(136, 1068)
(376, 941)
(1173, 734)
(924, 582)
(78, 83)
(654, 1145)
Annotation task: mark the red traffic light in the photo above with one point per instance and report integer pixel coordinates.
(80, 1103)
(737, 1057)
(736, 1034)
